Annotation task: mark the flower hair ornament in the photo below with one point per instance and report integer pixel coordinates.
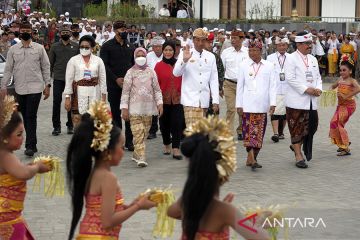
(217, 131)
(346, 58)
(9, 105)
(103, 125)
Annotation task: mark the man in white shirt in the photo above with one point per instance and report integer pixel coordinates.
(279, 59)
(155, 56)
(199, 79)
(152, 58)
(164, 12)
(255, 97)
(181, 13)
(304, 87)
(231, 58)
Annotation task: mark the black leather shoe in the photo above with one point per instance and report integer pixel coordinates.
(151, 136)
(70, 130)
(130, 148)
(240, 137)
(29, 152)
(179, 157)
(301, 164)
(275, 138)
(56, 131)
(255, 166)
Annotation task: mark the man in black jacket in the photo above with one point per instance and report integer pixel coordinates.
(118, 57)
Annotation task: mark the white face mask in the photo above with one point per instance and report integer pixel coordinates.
(85, 52)
(140, 61)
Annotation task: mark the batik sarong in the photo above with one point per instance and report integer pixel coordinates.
(254, 126)
(140, 126)
(12, 196)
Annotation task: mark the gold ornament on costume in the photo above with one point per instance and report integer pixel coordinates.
(102, 123)
(217, 130)
(328, 98)
(164, 198)
(8, 107)
(54, 181)
(277, 213)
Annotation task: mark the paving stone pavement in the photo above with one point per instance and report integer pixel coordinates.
(328, 189)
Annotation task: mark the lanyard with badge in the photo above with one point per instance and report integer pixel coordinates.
(252, 86)
(87, 71)
(308, 74)
(282, 73)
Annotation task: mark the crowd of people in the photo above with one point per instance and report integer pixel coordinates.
(170, 80)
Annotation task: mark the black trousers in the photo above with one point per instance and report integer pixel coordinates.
(114, 98)
(28, 106)
(58, 89)
(171, 124)
(154, 125)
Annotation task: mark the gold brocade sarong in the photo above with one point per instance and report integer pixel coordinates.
(91, 227)
(12, 196)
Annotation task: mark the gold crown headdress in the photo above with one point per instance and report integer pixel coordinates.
(102, 123)
(217, 130)
(8, 107)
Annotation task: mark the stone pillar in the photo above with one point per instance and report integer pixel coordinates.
(242, 9)
(286, 7)
(233, 9)
(301, 7)
(314, 8)
(224, 14)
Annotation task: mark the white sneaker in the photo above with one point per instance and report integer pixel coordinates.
(141, 163)
(134, 159)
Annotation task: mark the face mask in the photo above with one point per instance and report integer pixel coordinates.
(65, 37)
(140, 61)
(75, 34)
(123, 35)
(25, 36)
(85, 52)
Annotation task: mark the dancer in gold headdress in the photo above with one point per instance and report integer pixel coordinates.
(96, 139)
(347, 89)
(211, 151)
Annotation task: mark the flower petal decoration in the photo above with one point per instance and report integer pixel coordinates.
(103, 125)
(217, 130)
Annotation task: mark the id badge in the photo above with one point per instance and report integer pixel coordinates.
(87, 74)
(309, 77)
(282, 76)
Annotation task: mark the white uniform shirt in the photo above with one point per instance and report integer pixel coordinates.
(199, 79)
(256, 86)
(231, 60)
(279, 62)
(152, 59)
(295, 70)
